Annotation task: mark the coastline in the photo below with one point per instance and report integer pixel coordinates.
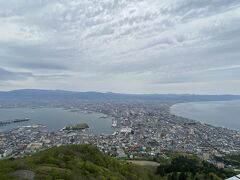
(70, 117)
(205, 121)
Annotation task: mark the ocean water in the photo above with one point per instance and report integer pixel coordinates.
(218, 113)
(55, 119)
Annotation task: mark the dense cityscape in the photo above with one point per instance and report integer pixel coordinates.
(142, 130)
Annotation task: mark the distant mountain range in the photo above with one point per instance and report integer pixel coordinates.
(36, 94)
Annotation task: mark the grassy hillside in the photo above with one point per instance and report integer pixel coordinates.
(87, 162)
(72, 162)
(184, 167)
(233, 160)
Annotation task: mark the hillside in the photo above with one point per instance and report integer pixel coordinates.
(191, 167)
(72, 162)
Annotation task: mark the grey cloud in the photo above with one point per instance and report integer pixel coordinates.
(166, 41)
(204, 76)
(36, 56)
(136, 41)
(192, 8)
(10, 75)
(6, 75)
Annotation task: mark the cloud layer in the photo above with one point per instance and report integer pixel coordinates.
(136, 46)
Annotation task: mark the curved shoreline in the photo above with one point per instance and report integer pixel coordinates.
(203, 120)
(103, 125)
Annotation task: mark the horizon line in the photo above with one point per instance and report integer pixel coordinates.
(123, 93)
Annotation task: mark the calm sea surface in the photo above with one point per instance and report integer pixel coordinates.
(55, 119)
(217, 113)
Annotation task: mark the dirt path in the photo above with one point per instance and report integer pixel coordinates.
(145, 163)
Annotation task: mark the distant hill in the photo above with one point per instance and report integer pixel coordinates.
(35, 94)
(72, 162)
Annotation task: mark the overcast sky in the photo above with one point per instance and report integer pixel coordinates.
(131, 46)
